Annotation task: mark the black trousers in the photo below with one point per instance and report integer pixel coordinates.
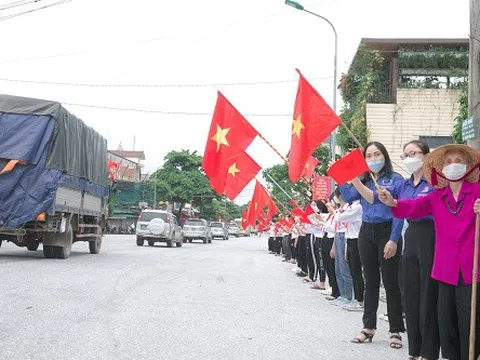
(278, 244)
(312, 261)
(271, 240)
(355, 265)
(317, 248)
(371, 243)
(454, 320)
(302, 254)
(421, 291)
(293, 250)
(286, 246)
(329, 265)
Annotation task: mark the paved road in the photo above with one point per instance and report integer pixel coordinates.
(226, 300)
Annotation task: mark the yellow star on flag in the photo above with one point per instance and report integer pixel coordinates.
(220, 137)
(256, 206)
(307, 165)
(233, 170)
(297, 126)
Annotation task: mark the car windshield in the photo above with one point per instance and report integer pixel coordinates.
(232, 226)
(150, 215)
(216, 225)
(194, 222)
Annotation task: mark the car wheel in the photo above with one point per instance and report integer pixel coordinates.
(179, 244)
(139, 241)
(151, 243)
(169, 243)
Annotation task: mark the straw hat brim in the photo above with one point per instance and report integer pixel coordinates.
(435, 160)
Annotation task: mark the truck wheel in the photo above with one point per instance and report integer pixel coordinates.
(151, 243)
(139, 241)
(169, 243)
(95, 246)
(48, 252)
(33, 245)
(205, 241)
(63, 252)
(180, 244)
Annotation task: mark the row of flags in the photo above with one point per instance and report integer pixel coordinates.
(230, 169)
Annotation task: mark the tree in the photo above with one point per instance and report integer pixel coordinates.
(181, 180)
(299, 191)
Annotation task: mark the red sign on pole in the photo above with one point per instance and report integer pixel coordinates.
(322, 186)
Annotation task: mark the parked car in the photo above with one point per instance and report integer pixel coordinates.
(197, 229)
(158, 226)
(219, 230)
(233, 230)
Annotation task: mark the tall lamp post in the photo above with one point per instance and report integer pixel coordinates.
(298, 6)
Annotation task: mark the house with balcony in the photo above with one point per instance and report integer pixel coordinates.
(398, 90)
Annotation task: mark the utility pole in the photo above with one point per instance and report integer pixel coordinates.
(474, 71)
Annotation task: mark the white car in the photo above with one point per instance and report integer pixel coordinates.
(219, 230)
(194, 229)
(158, 226)
(233, 230)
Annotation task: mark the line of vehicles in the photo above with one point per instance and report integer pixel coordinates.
(162, 226)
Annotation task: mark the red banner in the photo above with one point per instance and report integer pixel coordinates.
(322, 187)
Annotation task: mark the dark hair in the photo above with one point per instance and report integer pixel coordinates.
(420, 144)
(321, 207)
(387, 168)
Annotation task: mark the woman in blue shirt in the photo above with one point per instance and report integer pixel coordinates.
(378, 244)
(420, 296)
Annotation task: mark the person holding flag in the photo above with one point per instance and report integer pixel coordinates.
(454, 206)
(379, 244)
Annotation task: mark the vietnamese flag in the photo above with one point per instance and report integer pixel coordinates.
(310, 167)
(241, 171)
(230, 133)
(244, 220)
(313, 121)
(260, 200)
(348, 167)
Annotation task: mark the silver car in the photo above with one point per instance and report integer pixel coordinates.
(219, 230)
(233, 230)
(197, 229)
(158, 226)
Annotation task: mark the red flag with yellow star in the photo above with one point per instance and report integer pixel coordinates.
(310, 167)
(230, 133)
(313, 121)
(241, 171)
(260, 200)
(244, 220)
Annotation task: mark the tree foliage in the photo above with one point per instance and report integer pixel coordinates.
(462, 115)
(181, 180)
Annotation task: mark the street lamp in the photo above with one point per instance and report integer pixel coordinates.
(298, 6)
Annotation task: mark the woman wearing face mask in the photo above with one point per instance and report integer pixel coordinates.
(378, 244)
(453, 170)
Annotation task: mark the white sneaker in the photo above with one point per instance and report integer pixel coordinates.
(353, 306)
(326, 292)
(340, 301)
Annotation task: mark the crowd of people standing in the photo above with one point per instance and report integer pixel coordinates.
(415, 236)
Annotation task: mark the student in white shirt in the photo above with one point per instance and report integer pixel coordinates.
(271, 237)
(326, 248)
(352, 217)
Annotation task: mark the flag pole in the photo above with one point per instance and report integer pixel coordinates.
(266, 173)
(473, 305)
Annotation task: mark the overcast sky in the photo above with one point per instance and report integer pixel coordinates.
(184, 42)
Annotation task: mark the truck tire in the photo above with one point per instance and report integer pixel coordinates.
(179, 244)
(169, 243)
(95, 246)
(63, 252)
(139, 241)
(205, 241)
(33, 245)
(48, 252)
(151, 242)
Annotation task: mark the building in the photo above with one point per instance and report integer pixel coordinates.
(414, 89)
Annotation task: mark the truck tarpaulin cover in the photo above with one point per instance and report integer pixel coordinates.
(54, 148)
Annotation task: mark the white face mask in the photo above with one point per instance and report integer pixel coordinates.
(412, 164)
(454, 171)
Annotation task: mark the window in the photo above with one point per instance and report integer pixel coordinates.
(194, 222)
(150, 215)
(435, 141)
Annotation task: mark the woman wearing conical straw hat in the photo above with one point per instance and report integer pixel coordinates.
(454, 171)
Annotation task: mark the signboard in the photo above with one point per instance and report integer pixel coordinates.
(469, 128)
(322, 187)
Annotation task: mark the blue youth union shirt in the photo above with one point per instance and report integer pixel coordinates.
(377, 212)
(407, 190)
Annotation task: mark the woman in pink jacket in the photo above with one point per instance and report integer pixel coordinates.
(454, 171)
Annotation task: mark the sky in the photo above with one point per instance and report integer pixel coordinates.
(215, 45)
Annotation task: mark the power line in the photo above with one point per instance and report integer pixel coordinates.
(7, 17)
(164, 112)
(17, 4)
(157, 85)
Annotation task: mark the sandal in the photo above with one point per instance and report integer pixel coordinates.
(317, 287)
(363, 337)
(395, 341)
